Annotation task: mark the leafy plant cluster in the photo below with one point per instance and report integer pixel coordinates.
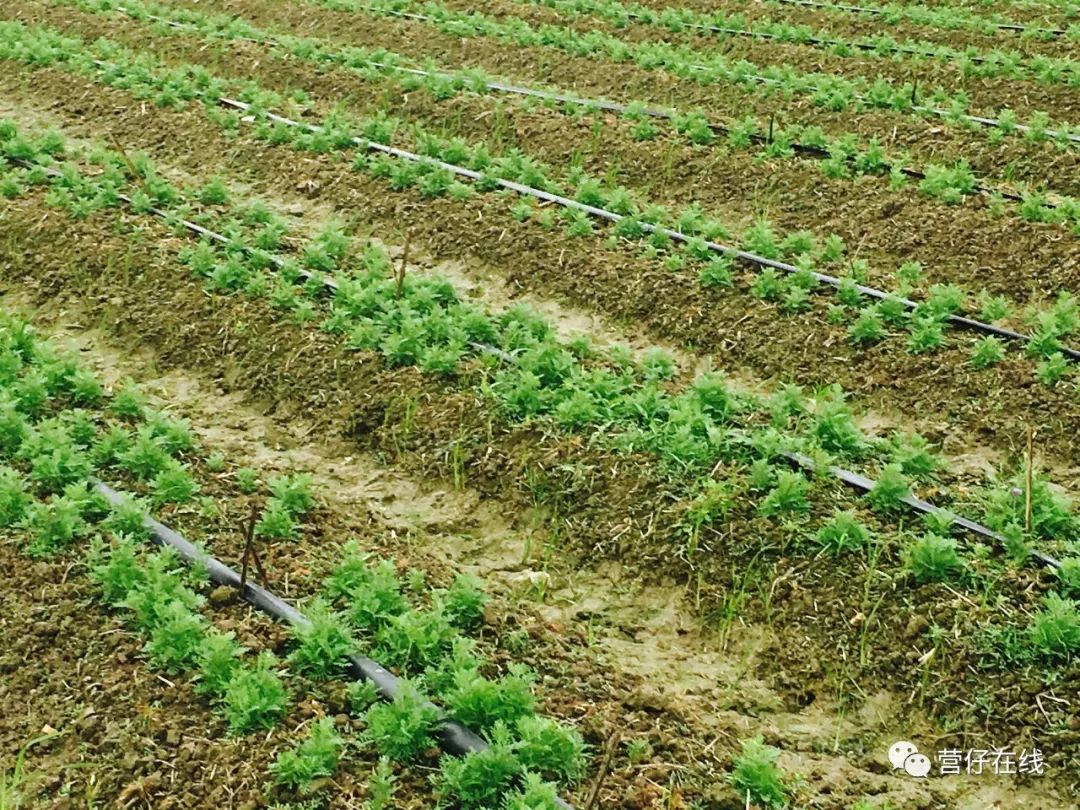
(426, 645)
(160, 604)
(845, 155)
(992, 63)
(832, 91)
(926, 329)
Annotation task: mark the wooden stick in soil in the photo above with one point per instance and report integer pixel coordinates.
(400, 288)
(130, 164)
(249, 550)
(605, 766)
(1030, 475)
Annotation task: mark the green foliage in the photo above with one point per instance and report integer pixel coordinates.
(555, 751)
(159, 586)
(174, 484)
(413, 639)
(403, 729)
(843, 533)
(247, 480)
(127, 517)
(867, 327)
(933, 558)
(987, 351)
(255, 698)
(276, 522)
(914, 456)
(293, 492)
(1055, 630)
(316, 756)
(146, 457)
(754, 773)
(479, 703)
(14, 500)
(535, 794)
(218, 659)
(128, 402)
(924, 334)
(53, 526)
(381, 786)
(116, 569)
(1052, 369)
(463, 602)
(480, 779)
(323, 646)
(1069, 575)
(361, 696)
(889, 489)
(55, 460)
(1051, 511)
(373, 593)
(834, 427)
(175, 638)
(789, 494)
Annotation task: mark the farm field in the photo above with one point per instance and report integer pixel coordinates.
(531, 404)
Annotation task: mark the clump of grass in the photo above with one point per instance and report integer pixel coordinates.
(316, 756)
(755, 774)
(933, 558)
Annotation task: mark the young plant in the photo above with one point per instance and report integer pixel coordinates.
(480, 703)
(843, 533)
(255, 698)
(1055, 630)
(463, 602)
(480, 779)
(14, 500)
(276, 522)
(316, 756)
(218, 659)
(403, 729)
(789, 494)
(755, 775)
(554, 751)
(176, 638)
(890, 489)
(324, 644)
(933, 558)
(987, 351)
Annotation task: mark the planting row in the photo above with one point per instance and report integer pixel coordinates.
(829, 91)
(576, 387)
(443, 159)
(969, 61)
(839, 156)
(60, 430)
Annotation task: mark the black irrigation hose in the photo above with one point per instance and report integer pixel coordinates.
(936, 111)
(454, 738)
(611, 216)
(861, 482)
(599, 104)
(1057, 32)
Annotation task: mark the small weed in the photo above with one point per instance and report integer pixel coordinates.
(754, 774)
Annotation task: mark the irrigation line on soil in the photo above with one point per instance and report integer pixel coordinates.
(611, 216)
(453, 736)
(849, 477)
(1057, 32)
(566, 98)
(936, 111)
(865, 484)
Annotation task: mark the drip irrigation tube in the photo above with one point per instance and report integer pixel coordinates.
(861, 482)
(847, 476)
(1057, 32)
(453, 737)
(598, 104)
(936, 111)
(611, 216)
(811, 40)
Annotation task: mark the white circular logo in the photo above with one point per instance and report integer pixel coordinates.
(917, 765)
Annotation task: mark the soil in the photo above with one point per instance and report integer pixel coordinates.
(830, 659)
